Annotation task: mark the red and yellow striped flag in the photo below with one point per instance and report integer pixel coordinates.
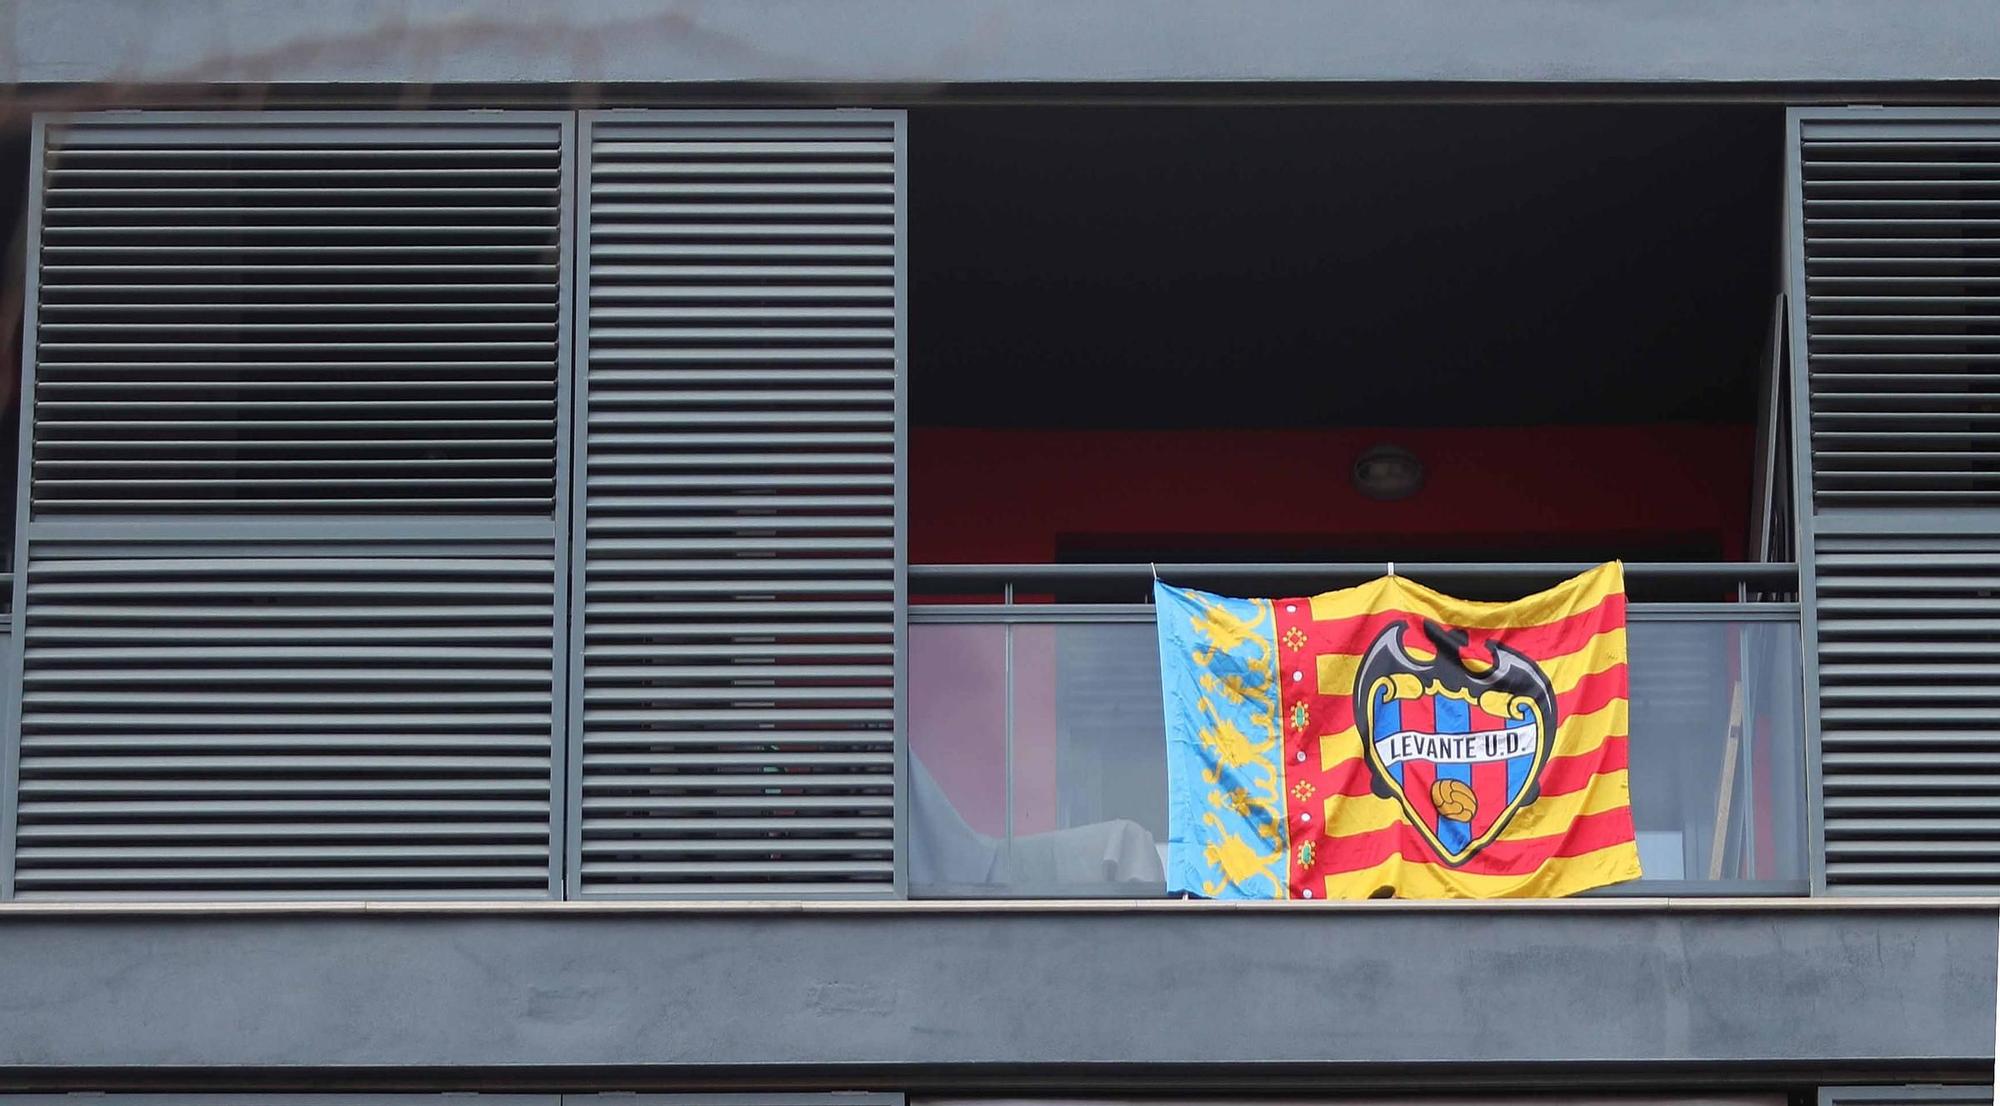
(1431, 747)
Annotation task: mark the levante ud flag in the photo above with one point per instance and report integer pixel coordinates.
(1388, 740)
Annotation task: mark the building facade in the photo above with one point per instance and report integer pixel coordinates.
(603, 552)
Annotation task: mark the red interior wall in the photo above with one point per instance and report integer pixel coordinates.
(1010, 495)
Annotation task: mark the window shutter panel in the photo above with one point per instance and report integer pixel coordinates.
(1896, 290)
(291, 1098)
(290, 543)
(734, 714)
(796, 1098)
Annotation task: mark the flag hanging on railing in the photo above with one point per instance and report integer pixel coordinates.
(1390, 740)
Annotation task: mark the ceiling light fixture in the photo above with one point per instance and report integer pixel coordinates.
(1388, 472)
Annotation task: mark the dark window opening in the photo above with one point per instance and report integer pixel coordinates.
(1168, 333)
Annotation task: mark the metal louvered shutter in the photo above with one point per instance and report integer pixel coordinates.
(288, 1098)
(1896, 289)
(249, 315)
(734, 714)
(290, 551)
(802, 1098)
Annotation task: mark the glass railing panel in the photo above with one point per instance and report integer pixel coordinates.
(958, 776)
(1718, 752)
(1038, 755)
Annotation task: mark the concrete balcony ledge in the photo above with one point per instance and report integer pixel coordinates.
(943, 994)
(1627, 904)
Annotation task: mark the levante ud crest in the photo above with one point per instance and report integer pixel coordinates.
(1459, 741)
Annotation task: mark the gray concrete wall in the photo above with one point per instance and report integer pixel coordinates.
(1900, 994)
(508, 41)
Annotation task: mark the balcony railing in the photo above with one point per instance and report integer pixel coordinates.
(1038, 757)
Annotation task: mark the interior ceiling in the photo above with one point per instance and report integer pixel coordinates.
(1358, 266)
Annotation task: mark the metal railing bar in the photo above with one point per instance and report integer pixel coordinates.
(947, 578)
(1713, 612)
(1143, 612)
(1140, 892)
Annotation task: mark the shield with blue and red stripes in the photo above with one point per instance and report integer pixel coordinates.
(1456, 732)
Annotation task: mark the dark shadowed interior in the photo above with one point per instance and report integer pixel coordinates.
(1435, 266)
(1082, 275)
(13, 286)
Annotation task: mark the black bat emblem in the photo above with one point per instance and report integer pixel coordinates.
(1511, 673)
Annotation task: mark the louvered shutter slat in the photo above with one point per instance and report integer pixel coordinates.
(372, 748)
(289, 596)
(736, 699)
(167, 212)
(1897, 432)
(1900, 251)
